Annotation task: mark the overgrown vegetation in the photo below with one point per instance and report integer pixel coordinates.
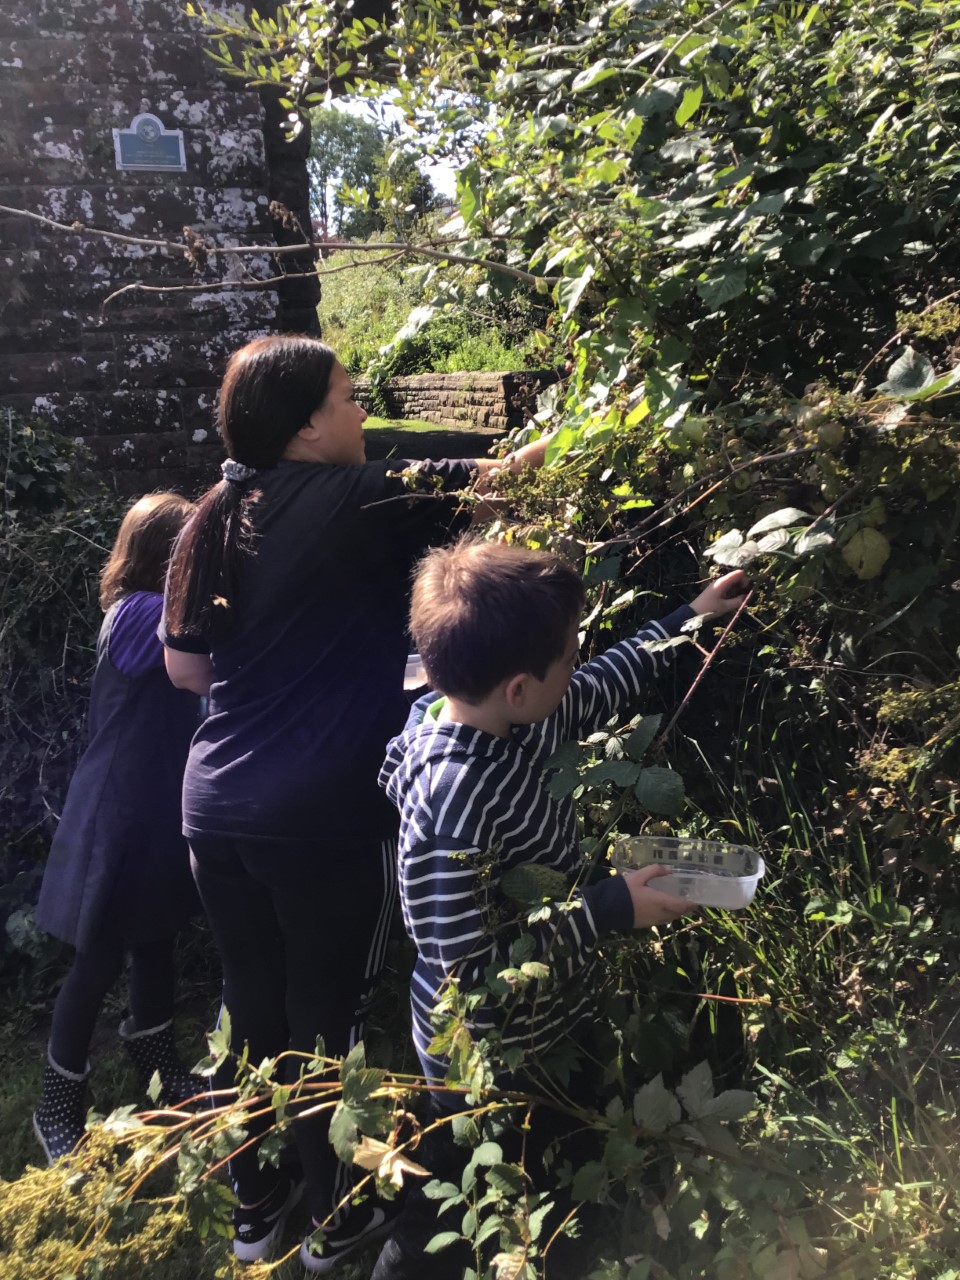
(364, 311)
(741, 223)
(56, 525)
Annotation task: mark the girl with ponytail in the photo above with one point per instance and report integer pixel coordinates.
(286, 601)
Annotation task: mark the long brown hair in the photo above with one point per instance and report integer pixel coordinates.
(270, 389)
(138, 561)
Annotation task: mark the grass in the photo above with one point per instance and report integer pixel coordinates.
(401, 424)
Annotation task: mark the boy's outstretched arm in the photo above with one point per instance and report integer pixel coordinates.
(613, 683)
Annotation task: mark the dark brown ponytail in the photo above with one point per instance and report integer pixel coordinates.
(270, 389)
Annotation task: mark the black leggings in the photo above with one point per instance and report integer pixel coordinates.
(152, 979)
(302, 929)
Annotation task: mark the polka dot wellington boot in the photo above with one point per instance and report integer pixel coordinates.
(59, 1118)
(154, 1050)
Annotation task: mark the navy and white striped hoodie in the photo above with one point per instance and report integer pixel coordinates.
(465, 797)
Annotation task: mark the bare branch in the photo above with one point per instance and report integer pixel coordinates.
(250, 282)
(400, 247)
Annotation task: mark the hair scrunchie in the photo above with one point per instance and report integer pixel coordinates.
(236, 472)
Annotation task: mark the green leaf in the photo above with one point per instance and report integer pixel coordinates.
(733, 1104)
(910, 374)
(488, 1153)
(695, 1090)
(564, 783)
(155, 1087)
(570, 290)
(435, 1190)
(779, 520)
(774, 541)
(441, 1241)
(716, 291)
(690, 104)
(589, 1181)
(355, 1060)
(568, 753)
(416, 320)
(506, 1178)
(600, 71)
(605, 570)
(561, 444)
(732, 550)
(815, 540)
(632, 311)
(808, 252)
(343, 1132)
(642, 736)
(538, 1217)
(623, 773)
(657, 100)
(468, 189)
(660, 790)
(944, 383)
(654, 1107)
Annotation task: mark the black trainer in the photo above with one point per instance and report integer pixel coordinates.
(257, 1229)
(404, 1255)
(360, 1225)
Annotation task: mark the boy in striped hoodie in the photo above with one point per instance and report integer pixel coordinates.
(497, 630)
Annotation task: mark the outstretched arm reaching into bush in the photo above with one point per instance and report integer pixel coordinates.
(613, 683)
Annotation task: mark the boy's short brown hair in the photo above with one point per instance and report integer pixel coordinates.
(483, 611)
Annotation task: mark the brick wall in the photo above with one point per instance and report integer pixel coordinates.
(135, 377)
(494, 402)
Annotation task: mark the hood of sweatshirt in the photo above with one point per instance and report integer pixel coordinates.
(426, 740)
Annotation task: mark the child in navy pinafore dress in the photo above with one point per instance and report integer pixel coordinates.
(118, 882)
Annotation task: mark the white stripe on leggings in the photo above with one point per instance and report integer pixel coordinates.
(375, 960)
(381, 934)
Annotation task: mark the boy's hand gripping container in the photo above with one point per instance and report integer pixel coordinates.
(708, 872)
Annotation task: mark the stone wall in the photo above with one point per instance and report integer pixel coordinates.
(494, 402)
(135, 376)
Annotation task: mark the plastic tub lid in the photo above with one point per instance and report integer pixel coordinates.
(414, 676)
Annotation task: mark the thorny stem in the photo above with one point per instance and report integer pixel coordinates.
(703, 670)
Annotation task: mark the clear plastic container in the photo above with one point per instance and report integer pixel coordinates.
(414, 677)
(708, 872)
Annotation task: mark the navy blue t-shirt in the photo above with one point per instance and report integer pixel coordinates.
(308, 685)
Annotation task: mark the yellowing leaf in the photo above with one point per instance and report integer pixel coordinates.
(510, 1265)
(866, 553)
(388, 1163)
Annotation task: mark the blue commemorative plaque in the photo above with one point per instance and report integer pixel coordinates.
(148, 145)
